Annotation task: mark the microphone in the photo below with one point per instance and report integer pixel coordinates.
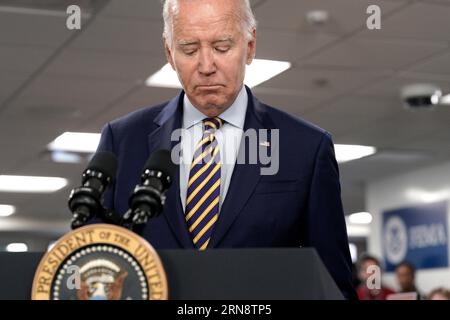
(85, 202)
(147, 199)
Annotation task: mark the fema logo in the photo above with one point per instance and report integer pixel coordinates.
(395, 240)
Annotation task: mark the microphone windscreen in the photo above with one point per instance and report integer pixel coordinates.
(160, 160)
(105, 162)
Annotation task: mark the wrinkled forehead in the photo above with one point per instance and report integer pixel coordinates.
(206, 22)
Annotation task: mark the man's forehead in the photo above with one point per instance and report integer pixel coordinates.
(227, 24)
(188, 41)
(207, 34)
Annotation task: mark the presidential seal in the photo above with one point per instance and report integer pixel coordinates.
(100, 262)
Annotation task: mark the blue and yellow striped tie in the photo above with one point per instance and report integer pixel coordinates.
(203, 192)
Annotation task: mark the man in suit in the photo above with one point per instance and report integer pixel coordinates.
(230, 204)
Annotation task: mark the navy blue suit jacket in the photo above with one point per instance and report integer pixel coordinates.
(298, 206)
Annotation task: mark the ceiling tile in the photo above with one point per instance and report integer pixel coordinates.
(345, 15)
(438, 64)
(290, 46)
(374, 54)
(119, 35)
(94, 64)
(132, 9)
(39, 30)
(420, 21)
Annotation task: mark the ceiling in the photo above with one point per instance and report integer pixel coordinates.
(345, 78)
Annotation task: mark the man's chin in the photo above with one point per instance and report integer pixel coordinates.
(211, 108)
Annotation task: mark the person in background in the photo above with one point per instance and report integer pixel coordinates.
(406, 277)
(439, 294)
(364, 290)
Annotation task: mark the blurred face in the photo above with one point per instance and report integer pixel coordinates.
(363, 271)
(405, 278)
(209, 52)
(438, 296)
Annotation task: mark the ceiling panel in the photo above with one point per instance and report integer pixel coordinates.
(391, 86)
(438, 64)
(129, 67)
(133, 9)
(352, 114)
(404, 127)
(345, 15)
(10, 82)
(119, 35)
(82, 93)
(324, 82)
(38, 30)
(373, 54)
(295, 46)
(420, 21)
(23, 58)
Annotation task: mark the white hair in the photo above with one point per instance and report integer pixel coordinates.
(171, 7)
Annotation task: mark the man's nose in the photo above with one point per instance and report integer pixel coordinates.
(207, 64)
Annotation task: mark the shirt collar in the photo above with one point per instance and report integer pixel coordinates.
(234, 115)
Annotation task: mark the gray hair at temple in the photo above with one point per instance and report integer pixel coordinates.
(171, 8)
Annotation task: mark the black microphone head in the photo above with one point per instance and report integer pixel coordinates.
(160, 160)
(105, 162)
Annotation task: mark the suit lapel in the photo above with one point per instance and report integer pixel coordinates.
(245, 177)
(170, 119)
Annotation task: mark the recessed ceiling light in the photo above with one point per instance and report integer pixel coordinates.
(76, 142)
(258, 72)
(30, 184)
(360, 218)
(348, 152)
(6, 210)
(17, 247)
(317, 17)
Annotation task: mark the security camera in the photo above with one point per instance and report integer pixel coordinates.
(421, 96)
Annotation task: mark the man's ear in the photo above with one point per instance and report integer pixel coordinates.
(251, 50)
(168, 53)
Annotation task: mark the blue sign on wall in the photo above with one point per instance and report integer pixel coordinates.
(416, 234)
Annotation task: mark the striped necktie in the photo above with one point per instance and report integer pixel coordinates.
(203, 192)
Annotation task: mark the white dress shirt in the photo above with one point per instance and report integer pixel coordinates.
(228, 138)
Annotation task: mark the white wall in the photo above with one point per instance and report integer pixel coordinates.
(424, 186)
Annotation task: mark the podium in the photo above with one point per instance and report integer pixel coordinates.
(218, 274)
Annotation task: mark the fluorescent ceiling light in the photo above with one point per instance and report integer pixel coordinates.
(358, 230)
(17, 247)
(76, 142)
(427, 196)
(65, 157)
(258, 72)
(6, 210)
(28, 184)
(445, 100)
(360, 218)
(262, 70)
(347, 152)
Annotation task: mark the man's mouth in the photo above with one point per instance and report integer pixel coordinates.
(210, 86)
